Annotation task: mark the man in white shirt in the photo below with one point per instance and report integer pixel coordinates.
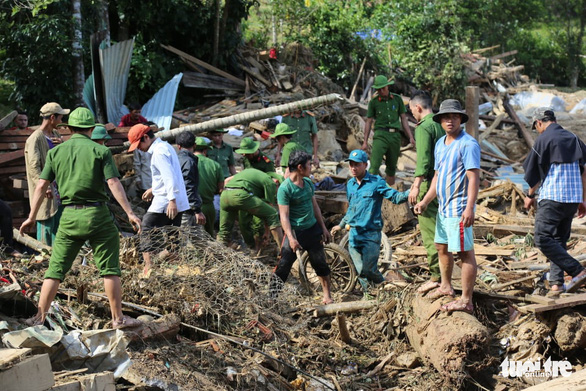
(168, 194)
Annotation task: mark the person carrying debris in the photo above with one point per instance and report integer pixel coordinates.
(250, 192)
(555, 167)
(253, 157)
(36, 148)
(189, 168)
(211, 182)
(81, 166)
(222, 152)
(387, 111)
(306, 126)
(302, 223)
(455, 184)
(427, 133)
(283, 134)
(168, 194)
(365, 194)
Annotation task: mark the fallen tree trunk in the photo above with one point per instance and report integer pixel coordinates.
(447, 341)
(347, 307)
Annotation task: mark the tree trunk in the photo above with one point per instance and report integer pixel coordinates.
(273, 26)
(216, 47)
(105, 19)
(78, 73)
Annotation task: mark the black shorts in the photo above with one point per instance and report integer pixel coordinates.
(157, 220)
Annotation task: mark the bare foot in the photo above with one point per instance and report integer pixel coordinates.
(426, 287)
(327, 300)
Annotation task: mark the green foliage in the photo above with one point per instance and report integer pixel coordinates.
(427, 41)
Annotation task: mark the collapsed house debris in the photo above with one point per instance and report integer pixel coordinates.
(210, 320)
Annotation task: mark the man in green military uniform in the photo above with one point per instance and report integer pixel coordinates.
(387, 111)
(427, 133)
(250, 192)
(283, 134)
(211, 182)
(222, 152)
(81, 166)
(253, 157)
(306, 126)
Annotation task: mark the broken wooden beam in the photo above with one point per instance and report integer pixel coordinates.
(343, 327)
(346, 307)
(212, 82)
(478, 250)
(564, 302)
(30, 241)
(520, 125)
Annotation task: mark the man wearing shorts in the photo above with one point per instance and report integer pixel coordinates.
(81, 166)
(168, 194)
(455, 184)
(302, 222)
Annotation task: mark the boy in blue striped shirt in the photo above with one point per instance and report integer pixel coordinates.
(455, 184)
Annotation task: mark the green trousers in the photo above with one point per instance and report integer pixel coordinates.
(210, 213)
(427, 228)
(385, 144)
(238, 203)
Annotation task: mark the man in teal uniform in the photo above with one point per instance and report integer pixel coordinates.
(427, 133)
(81, 166)
(283, 134)
(387, 111)
(222, 152)
(253, 157)
(365, 194)
(249, 192)
(306, 126)
(211, 182)
(302, 223)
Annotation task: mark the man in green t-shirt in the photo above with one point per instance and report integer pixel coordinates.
(306, 126)
(81, 166)
(283, 134)
(302, 223)
(222, 152)
(427, 133)
(250, 192)
(387, 111)
(253, 157)
(211, 182)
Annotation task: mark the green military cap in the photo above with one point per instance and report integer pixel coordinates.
(200, 143)
(219, 130)
(381, 81)
(81, 118)
(247, 145)
(282, 130)
(100, 133)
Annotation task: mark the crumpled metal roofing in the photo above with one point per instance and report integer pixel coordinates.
(115, 61)
(159, 108)
(89, 94)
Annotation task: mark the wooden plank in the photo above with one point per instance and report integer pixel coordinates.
(575, 382)
(212, 82)
(564, 302)
(7, 119)
(472, 100)
(256, 74)
(503, 55)
(17, 132)
(520, 125)
(204, 64)
(478, 250)
(32, 374)
(5, 171)
(11, 146)
(8, 356)
(11, 156)
(95, 382)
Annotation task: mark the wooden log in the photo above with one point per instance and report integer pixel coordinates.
(7, 119)
(478, 250)
(520, 125)
(447, 341)
(575, 382)
(30, 242)
(472, 100)
(346, 307)
(357, 80)
(343, 327)
(205, 65)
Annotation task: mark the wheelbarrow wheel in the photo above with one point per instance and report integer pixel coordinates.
(343, 273)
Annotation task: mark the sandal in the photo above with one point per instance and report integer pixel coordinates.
(576, 283)
(458, 305)
(427, 286)
(35, 321)
(437, 293)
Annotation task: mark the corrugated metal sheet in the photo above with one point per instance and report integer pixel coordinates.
(159, 108)
(115, 62)
(89, 95)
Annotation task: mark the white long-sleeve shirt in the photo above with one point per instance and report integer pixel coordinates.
(167, 178)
